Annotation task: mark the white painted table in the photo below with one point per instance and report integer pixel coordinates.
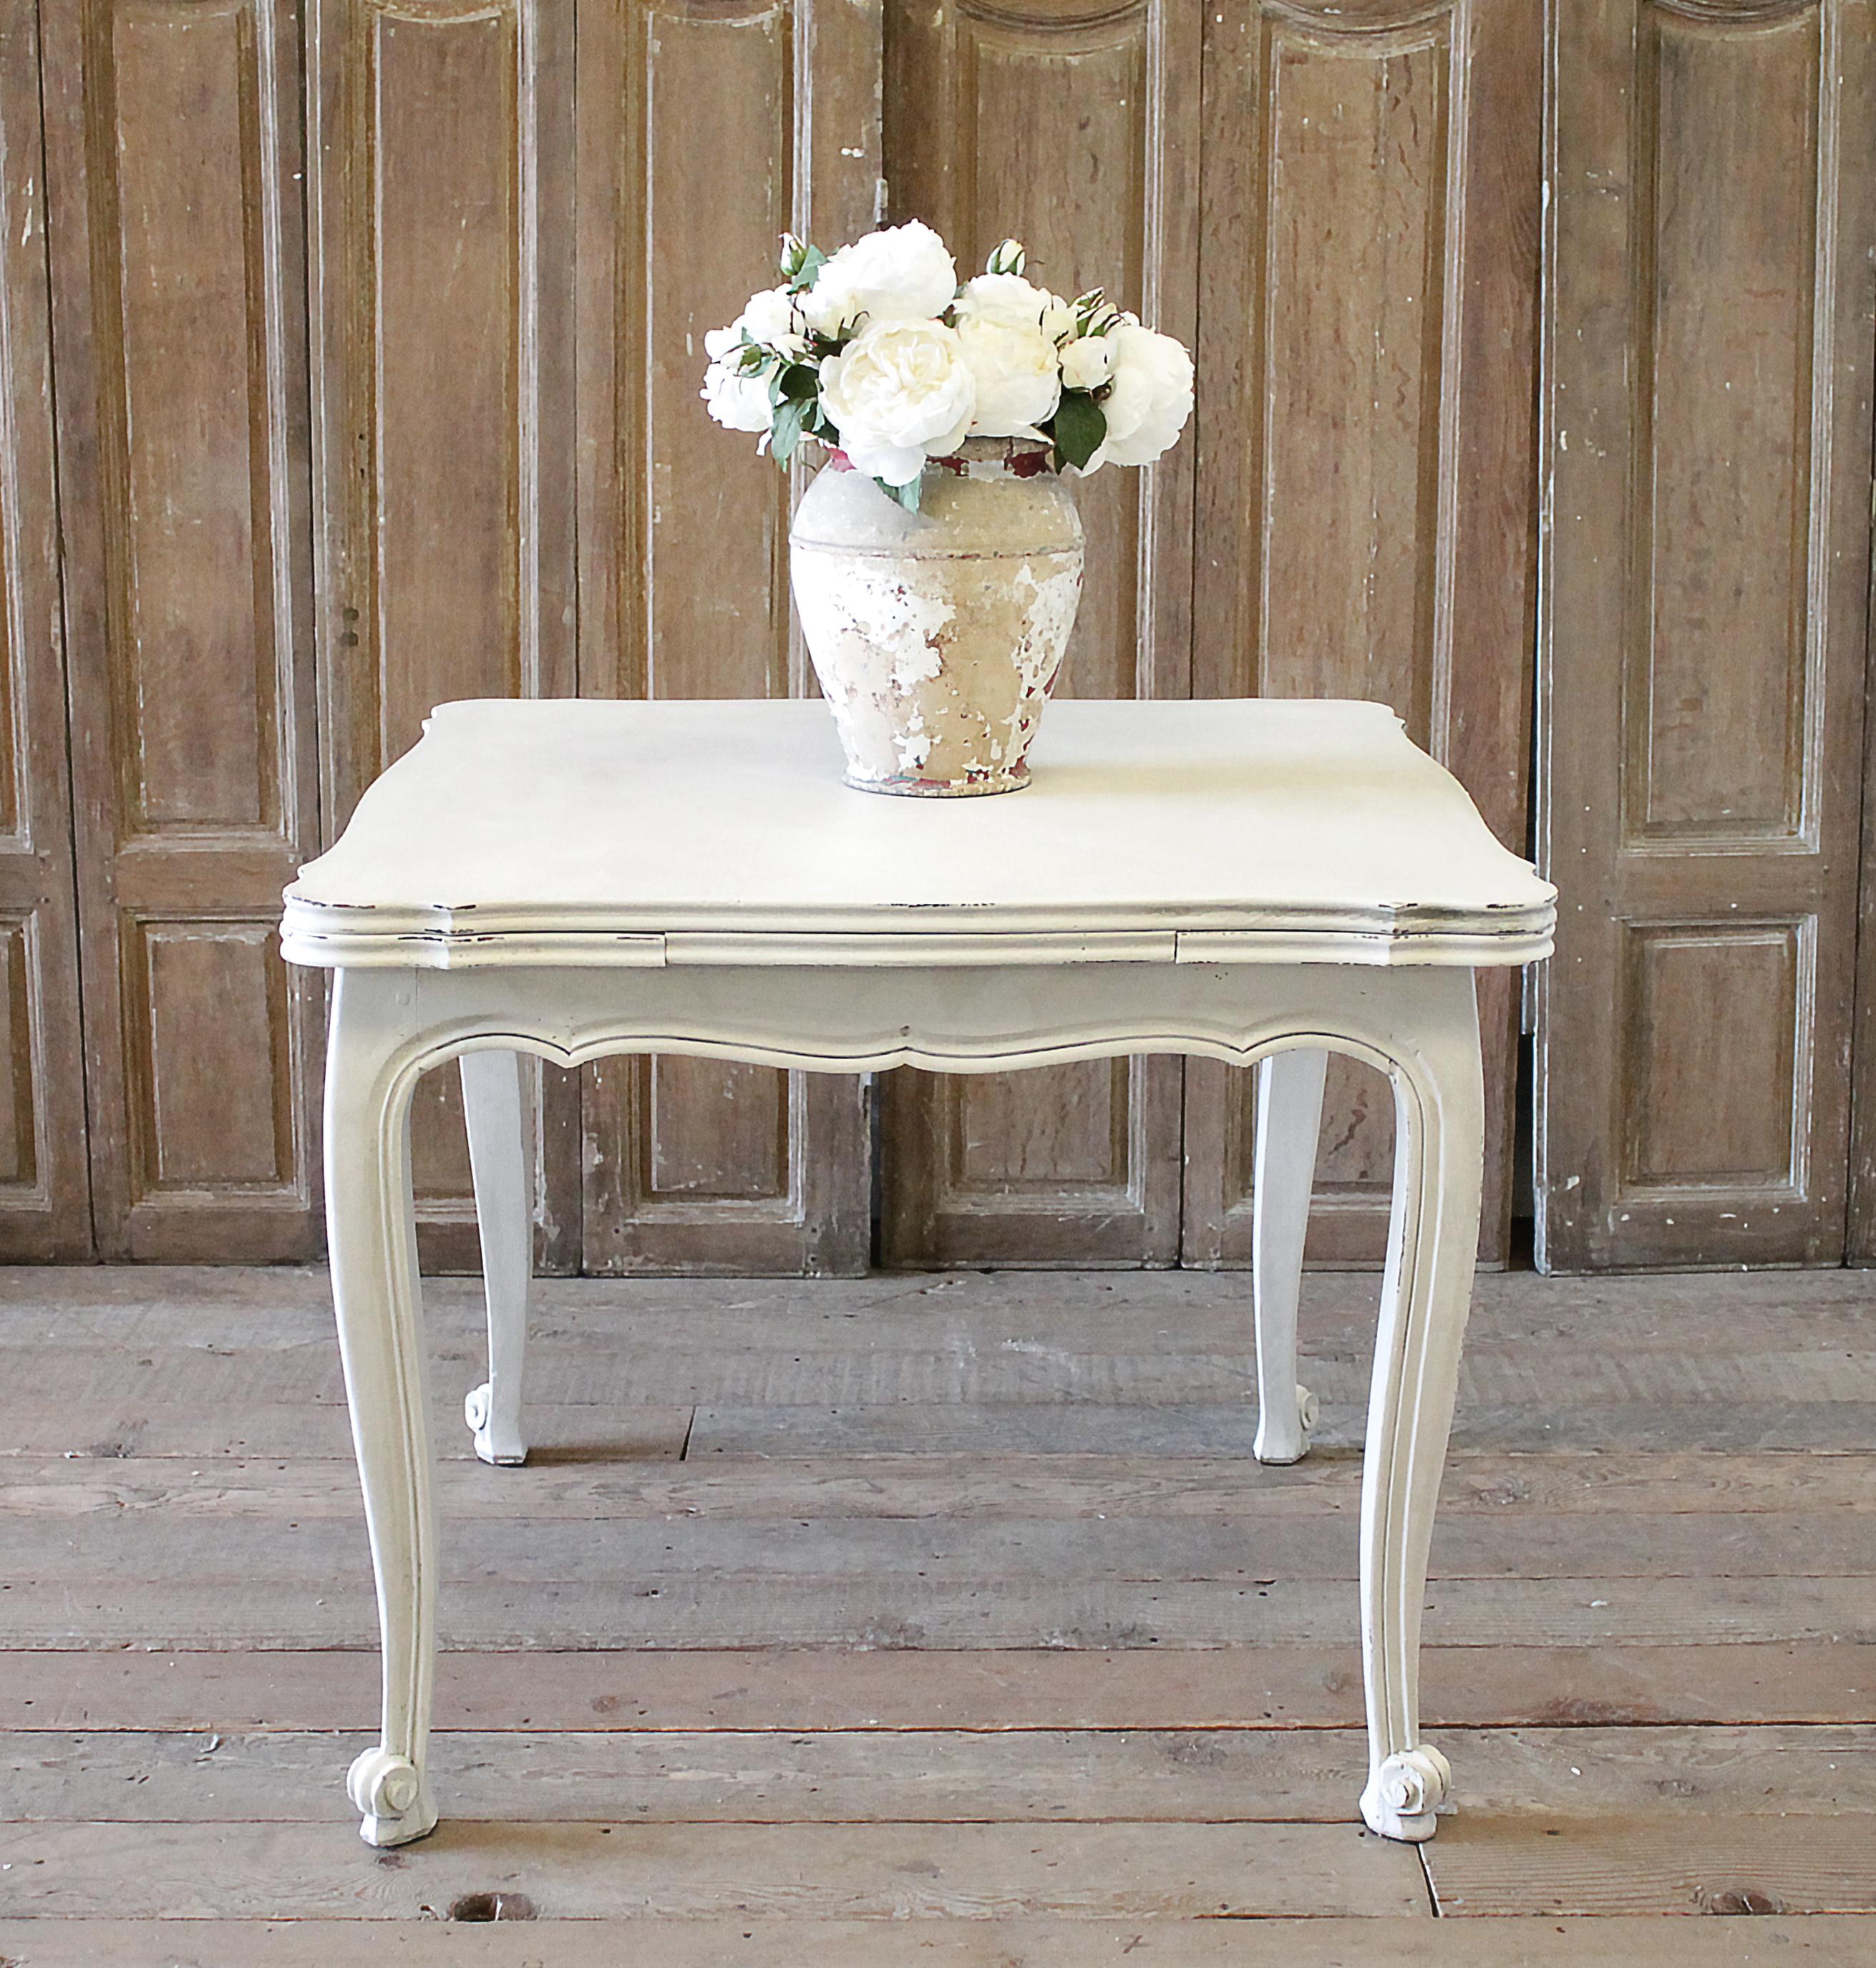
(1250, 880)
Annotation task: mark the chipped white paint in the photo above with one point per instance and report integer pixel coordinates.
(937, 635)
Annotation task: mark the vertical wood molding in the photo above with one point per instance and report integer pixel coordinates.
(441, 137)
(174, 162)
(1708, 405)
(1366, 498)
(1070, 123)
(45, 1206)
(702, 120)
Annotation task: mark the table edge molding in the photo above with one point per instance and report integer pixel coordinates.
(326, 935)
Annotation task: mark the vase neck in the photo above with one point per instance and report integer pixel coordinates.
(996, 457)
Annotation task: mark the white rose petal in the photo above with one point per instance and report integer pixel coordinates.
(1018, 381)
(899, 393)
(1010, 299)
(903, 273)
(721, 343)
(1151, 396)
(738, 402)
(1087, 362)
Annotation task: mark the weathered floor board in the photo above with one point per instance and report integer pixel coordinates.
(1133, 1545)
(926, 1776)
(604, 1871)
(1327, 1483)
(797, 1689)
(1527, 1862)
(764, 1942)
(895, 1610)
(943, 1620)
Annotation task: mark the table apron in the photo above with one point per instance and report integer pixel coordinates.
(945, 1019)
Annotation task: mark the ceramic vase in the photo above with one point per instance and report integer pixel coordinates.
(937, 635)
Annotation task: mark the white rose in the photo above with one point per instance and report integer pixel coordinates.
(1010, 299)
(900, 392)
(773, 317)
(738, 402)
(1019, 382)
(903, 273)
(1087, 362)
(1150, 398)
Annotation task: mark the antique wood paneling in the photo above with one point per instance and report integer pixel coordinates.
(1070, 123)
(1366, 505)
(707, 130)
(45, 1210)
(1705, 626)
(174, 164)
(441, 139)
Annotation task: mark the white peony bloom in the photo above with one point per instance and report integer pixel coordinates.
(1087, 362)
(1010, 299)
(773, 317)
(1018, 381)
(903, 273)
(899, 393)
(1150, 398)
(738, 402)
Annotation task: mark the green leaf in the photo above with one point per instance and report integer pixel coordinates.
(1080, 427)
(799, 382)
(905, 495)
(785, 432)
(811, 262)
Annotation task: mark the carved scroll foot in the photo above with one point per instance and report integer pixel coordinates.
(498, 1437)
(391, 1792)
(1405, 1792)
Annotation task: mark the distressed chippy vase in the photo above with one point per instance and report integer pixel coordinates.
(937, 635)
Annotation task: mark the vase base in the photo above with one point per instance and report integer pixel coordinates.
(972, 788)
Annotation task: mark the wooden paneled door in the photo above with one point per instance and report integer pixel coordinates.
(1366, 514)
(440, 134)
(1704, 625)
(1069, 124)
(708, 129)
(179, 338)
(45, 1196)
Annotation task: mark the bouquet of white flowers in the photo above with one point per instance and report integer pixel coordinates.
(879, 354)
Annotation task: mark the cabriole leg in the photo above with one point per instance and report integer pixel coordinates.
(1289, 1118)
(372, 1236)
(1426, 1294)
(493, 1104)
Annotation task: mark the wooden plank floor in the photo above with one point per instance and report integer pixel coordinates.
(940, 1619)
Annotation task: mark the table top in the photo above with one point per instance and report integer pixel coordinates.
(591, 832)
